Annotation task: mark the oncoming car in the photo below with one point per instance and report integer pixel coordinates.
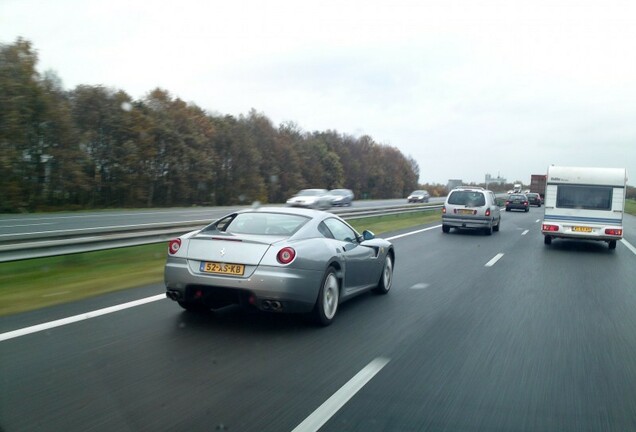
(277, 260)
(311, 198)
(421, 196)
(341, 197)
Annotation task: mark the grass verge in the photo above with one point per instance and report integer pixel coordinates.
(36, 283)
(630, 206)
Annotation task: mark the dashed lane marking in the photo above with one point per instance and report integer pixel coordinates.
(493, 261)
(332, 405)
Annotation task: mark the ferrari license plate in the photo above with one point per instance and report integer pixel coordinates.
(582, 229)
(222, 268)
(466, 212)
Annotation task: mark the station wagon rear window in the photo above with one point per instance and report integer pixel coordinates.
(468, 198)
(584, 197)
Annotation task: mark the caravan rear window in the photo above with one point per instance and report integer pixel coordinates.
(584, 197)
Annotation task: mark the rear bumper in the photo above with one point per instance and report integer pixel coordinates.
(297, 290)
(469, 223)
(566, 230)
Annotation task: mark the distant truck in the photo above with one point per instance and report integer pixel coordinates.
(517, 188)
(537, 184)
(584, 203)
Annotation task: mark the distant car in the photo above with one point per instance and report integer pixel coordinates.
(341, 197)
(277, 259)
(471, 208)
(517, 202)
(534, 199)
(311, 198)
(421, 196)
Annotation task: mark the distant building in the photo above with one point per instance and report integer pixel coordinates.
(453, 183)
(495, 180)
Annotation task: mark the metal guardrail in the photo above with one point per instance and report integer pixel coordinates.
(95, 239)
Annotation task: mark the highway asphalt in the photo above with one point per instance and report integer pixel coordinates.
(479, 333)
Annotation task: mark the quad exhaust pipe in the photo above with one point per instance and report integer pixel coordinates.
(173, 295)
(272, 305)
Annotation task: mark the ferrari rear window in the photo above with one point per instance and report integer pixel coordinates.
(266, 223)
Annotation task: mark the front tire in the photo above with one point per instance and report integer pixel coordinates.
(328, 298)
(386, 279)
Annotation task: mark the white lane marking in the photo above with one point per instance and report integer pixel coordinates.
(629, 246)
(412, 232)
(537, 221)
(494, 260)
(525, 232)
(420, 286)
(81, 317)
(331, 406)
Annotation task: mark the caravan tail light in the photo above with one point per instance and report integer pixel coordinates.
(614, 231)
(547, 227)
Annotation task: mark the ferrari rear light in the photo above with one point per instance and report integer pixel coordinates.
(286, 255)
(174, 245)
(547, 227)
(487, 212)
(614, 231)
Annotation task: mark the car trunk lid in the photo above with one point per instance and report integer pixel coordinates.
(244, 249)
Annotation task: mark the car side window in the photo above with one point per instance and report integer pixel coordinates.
(340, 231)
(322, 228)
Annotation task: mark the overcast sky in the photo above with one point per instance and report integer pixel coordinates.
(465, 87)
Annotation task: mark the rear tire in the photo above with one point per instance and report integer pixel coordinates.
(527, 210)
(507, 209)
(547, 240)
(328, 298)
(488, 230)
(496, 227)
(612, 244)
(445, 229)
(386, 279)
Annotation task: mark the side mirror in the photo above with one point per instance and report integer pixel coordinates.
(367, 235)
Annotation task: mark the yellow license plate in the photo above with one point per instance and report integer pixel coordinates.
(466, 212)
(582, 229)
(223, 268)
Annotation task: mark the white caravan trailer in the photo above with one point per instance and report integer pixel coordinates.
(584, 203)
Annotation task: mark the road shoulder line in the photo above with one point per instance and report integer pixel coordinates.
(332, 405)
(81, 317)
